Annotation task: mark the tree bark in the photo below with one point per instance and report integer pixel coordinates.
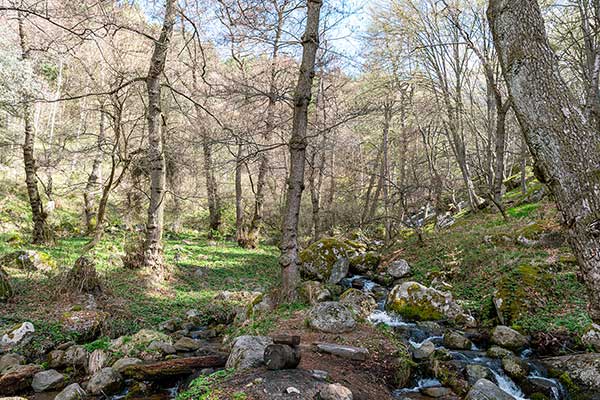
(240, 231)
(560, 138)
(92, 183)
(214, 202)
(153, 252)
(289, 261)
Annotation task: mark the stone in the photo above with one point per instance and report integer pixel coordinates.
(170, 325)
(339, 270)
(122, 363)
(498, 352)
(476, 372)
(417, 302)
(162, 347)
(398, 269)
(17, 378)
(76, 357)
(133, 345)
(18, 335)
(347, 352)
(506, 337)
(484, 389)
(331, 317)
(424, 351)
(362, 303)
(365, 263)
(96, 361)
(455, 341)
(335, 391)
(56, 358)
(437, 392)
(10, 360)
(192, 314)
(186, 344)
(30, 260)
(48, 380)
(583, 369)
(515, 367)
(106, 381)
(547, 387)
(314, 292)
(85, 324)
(248, 352)
(318, 259)
(72, 392)
(591, 337)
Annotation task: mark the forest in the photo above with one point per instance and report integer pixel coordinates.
(300, 199)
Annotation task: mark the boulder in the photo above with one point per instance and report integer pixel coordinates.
(537, 385)
(106, 381)
(484, 389)
(134, 345)
(331, 317)
(314, 292)
(498, 352)
(17, 378)
(85, 324)
(339, 270)
(122, 363)
(96, 361)
(417, 302)
(19, 335)
(56, 358)
(10, 360)
(248, 352)
(362, 303)
(48, 380)
(515, 368)
(186, 344)
(591, 337)
(170, 325)
(398, 269)
(365, 263)
(162, 347)
(455, 341)
(318, 259)
(583, 369)
(424, 351)
(506, 337)
(76, 357)
(335, 391)
(475, 372)
(347, 352)
(437, 392)
(30, 260)
(72, 392)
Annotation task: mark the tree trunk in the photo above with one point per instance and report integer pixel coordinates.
(92, 183)
(289, 241)
(559, 137)
(499, 148)
(240, 231)
(387, 119)
(153, 252)
(41, 233)
(214, 202)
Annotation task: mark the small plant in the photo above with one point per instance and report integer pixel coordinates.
(201, 388)
(99, 344)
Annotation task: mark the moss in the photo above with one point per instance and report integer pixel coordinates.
(318, 259)
(538, 396)
(365, 262)
(531, 231)
(415, 311)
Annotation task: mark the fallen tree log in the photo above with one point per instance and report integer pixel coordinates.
(176, 367)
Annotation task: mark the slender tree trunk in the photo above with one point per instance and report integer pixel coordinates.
(524, 155)
(387, 118)
(214, 202)
(289, 261)
(500, 151)
(41, 233)
(92, 183)
(240, 231)
(153, 252)
(561, 140)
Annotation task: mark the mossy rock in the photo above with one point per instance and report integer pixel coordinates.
(6, 291)
(365, 262)
(532, 231)
(317, 260)
(31, 260)
(414, 303)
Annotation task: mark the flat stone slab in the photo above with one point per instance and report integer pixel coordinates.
(347, 352)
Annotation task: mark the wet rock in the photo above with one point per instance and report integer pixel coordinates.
(17, 378)
(515, 367)
(186, 344)
(538, 385)
(72, 392)
(398, 269)
(506, 337)
(121, 364)
(19, 335)
(48, 380)
(365, 263)
(475, 372)
(10, 360)
(105, 381)
(498, 352)
(362, 303)
(591, 337)
(455, 341)
(484, 389)
(331, 317)
(423, 351)
(437, 392)
(416, 302)
(347, 352)
(583, 369)
(96, 361)
(335, 391)
(248, 352)
(162, 347)
(339, 270)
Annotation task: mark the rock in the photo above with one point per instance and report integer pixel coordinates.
(76, 357)
(331, 317)
(18, 335)
(170, 325)
(547, 387)
(515, 367)
(318, 259)
(83, 277)
(398, 269)
(71, 392)
(362, 303)
(445, 221)
(30, 260)
(10, 360)
(192, 314)
(437, 392)
(335, 391)
(85, 324)
(483, 389)
(133, 345)
(475, 372)
(186, 344)
(48, 380)
(56, 358)
(96, 361)
(121, 364)
(416, 302)
(282, 356)
(162, 347)
(583, 369)
(365, 263)
(248, 352)
(498, 352)
(591, 337)
(423, 351)
(339, 270)
(456, 341)
(314, 292)
(17, 378)
(347, 352)
(105, 381)
(506, 337)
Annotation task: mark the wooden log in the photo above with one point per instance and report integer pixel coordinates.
(281, 356)
(290, 340)
(175, 367)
